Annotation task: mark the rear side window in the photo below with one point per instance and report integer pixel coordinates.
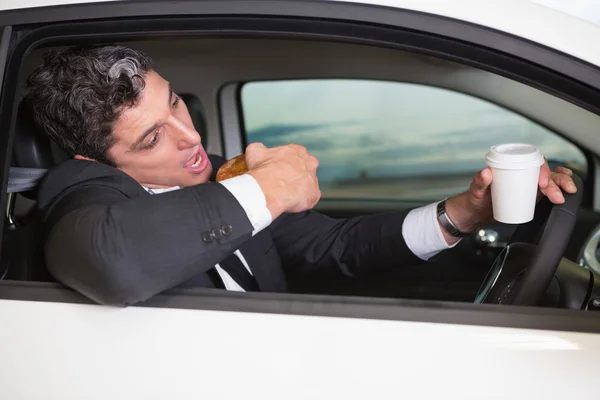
(391, 140)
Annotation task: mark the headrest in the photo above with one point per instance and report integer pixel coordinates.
(33, 153)
(32, 148)
(196, 109)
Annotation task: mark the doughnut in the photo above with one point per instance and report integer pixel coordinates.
(232, 168)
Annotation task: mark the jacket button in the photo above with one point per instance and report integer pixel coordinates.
(215, 233)
(226, 230)
(207, 237)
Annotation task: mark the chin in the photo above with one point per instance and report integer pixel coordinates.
(198, 179)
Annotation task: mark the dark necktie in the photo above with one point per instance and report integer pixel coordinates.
(232, 264)
(215, 278)
(234, 267)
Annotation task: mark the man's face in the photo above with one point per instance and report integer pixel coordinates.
(156, 143)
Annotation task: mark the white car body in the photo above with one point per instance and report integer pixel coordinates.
(60, 350)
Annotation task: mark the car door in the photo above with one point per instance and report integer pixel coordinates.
(56, 344)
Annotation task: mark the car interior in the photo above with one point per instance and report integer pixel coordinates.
(203, 69)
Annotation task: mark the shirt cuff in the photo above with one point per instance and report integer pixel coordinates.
(250, 196)
(423, 233)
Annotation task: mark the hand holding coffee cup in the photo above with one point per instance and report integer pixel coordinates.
(507, 189)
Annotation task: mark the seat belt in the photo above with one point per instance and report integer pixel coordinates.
(24, 179)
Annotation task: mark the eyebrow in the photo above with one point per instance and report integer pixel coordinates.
(149, 131)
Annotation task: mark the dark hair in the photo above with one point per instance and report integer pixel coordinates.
(78, 94)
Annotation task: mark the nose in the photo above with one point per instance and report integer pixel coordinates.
(186, 136)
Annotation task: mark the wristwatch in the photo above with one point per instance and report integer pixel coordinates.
(447, 223)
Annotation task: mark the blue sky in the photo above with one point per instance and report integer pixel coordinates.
(387, 128)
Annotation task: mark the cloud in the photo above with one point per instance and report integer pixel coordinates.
(351, 148)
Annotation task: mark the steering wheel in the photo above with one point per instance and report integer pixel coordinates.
(524, 269)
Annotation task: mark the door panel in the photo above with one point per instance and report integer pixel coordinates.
(97, 352)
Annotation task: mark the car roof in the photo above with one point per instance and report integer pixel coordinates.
(523, 18)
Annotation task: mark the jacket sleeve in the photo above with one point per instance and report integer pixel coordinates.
(119, 250)
(309, 242)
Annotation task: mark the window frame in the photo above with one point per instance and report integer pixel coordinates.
(533, 64)
(407, 310)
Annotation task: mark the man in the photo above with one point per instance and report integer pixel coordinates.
(135, 211)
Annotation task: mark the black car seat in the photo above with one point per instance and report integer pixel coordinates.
(196, 109)
(22, 257)
(22, 243)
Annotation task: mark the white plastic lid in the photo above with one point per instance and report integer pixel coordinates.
(514, 156)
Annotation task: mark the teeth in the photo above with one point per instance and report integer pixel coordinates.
(198, 161)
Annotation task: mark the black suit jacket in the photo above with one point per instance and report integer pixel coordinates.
(109, 239)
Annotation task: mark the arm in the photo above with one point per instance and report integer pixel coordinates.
(119, 250)
(310, 241)
(423, 233)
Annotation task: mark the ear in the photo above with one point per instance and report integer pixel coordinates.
(80, 157)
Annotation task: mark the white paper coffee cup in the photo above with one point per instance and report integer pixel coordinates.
(516, 171)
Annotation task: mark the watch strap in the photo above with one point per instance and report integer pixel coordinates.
(447, 223)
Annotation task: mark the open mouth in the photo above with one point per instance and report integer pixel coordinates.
(197, 158)
(198, 161)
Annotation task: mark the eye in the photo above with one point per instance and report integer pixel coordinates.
(176, 101)
(153, 140)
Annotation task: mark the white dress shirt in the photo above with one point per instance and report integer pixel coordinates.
(421, 230)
